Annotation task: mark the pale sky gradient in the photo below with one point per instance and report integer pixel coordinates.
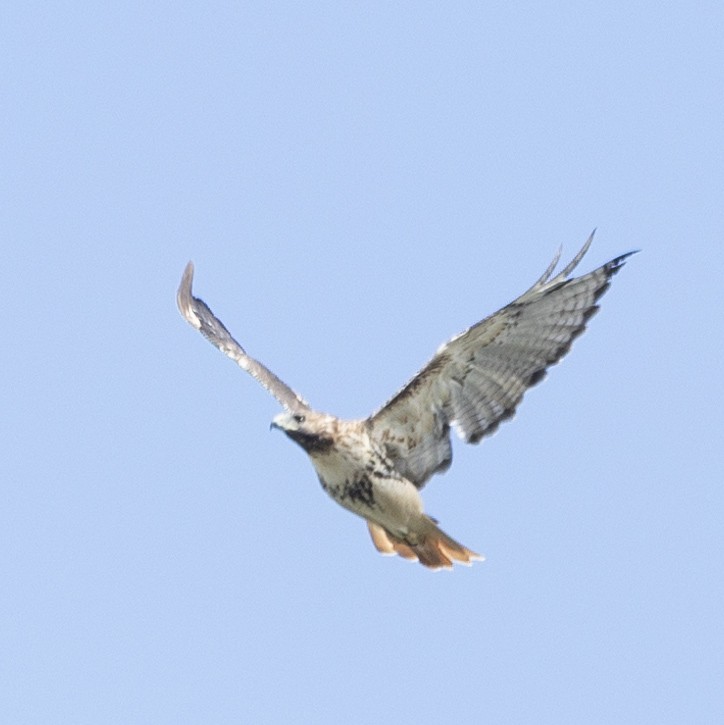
(356, 182)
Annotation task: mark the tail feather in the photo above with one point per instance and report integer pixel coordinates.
(387, 545)
(432, 547)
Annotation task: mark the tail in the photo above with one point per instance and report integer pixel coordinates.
(432, 547)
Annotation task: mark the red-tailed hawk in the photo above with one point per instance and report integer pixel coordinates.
(375, 467)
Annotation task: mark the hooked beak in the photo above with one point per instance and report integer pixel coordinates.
(276, 421)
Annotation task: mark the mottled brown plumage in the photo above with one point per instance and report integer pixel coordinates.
(376, 466)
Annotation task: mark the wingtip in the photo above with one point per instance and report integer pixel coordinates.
(188, 275)
(615, 264)
(551, 267)
(566, 271)
(184, 298)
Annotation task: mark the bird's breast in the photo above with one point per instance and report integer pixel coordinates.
(367, 486)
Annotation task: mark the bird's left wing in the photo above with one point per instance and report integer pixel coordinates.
(198, 314)
(476, 380)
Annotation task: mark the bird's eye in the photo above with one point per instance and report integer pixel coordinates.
(299, 418)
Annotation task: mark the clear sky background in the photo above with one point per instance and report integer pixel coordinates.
(356, 182)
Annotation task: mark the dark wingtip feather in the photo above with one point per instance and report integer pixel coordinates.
(615, 264)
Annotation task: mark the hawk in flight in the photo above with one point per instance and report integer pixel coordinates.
(376, 467)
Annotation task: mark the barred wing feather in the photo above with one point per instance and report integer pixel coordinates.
(476, 380)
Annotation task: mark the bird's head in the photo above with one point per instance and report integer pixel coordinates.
(312, 431)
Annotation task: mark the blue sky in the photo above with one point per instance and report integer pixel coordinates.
(355, 183)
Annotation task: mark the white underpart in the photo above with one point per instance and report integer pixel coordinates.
(397, 506)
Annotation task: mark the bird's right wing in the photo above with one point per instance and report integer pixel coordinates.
(197, 313)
